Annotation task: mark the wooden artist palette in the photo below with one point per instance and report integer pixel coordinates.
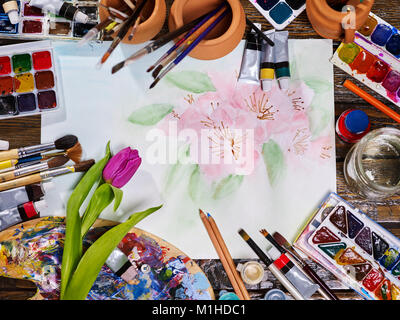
(33, 251)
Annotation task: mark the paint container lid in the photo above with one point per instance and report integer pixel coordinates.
(284, 83)
(4, 145)
(81, 17)
(225, 295)
(266, 85)
(13, 16)
(275, 294)
(356, 121)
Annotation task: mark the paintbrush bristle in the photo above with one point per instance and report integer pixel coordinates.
(84, 165)
(117, 67)
(157, 71)
(104, 57)
(150, 68)
(281, 240)
(66, 142)
(75, 153)
(57, 161)
(154, 83)
(243, 234)
(264, 232)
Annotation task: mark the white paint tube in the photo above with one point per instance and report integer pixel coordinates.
(267, 68)
(61, 8)
(281, 53)
(11, 8)
(250, 67)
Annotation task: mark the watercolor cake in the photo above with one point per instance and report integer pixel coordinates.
(279, 13)
(33, 251)
(36, 25)
(354, 248)
(373, 58)
(28, 80)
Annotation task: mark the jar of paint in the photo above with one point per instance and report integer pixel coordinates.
(252, 272)
(153, 18)
(275, 294)
(226, 35)
(372, 166)
(225, 295)
(352, 125)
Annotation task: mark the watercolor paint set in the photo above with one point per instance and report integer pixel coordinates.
(36, 25)
(29, 82)
(356, 249)
(280, 13)
(373, 58)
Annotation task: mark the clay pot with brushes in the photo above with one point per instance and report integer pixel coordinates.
(223, 38)
(152, 18)
(327, 21)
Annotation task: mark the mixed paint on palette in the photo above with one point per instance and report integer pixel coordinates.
(35, 25)
(356, 249)
(373, 57)
(35, 254)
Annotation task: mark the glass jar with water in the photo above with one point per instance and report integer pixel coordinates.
(372, 166)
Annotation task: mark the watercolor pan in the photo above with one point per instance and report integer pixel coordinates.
(280, 13)
(356, 249)
(36, 25)
(29, 82)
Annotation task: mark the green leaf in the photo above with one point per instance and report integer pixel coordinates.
(118, 193)
(195, 184)
(192, 81)
(151, 114)
(319, 85)
(100, 200)
(227, 186)
(73, 242)
(319, 116)
(274, 160)
(96, 255)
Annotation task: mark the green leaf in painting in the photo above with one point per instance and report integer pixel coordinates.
(274, 160)
(195, 184)
(151, 114)
(227, 186)
(96, 255)
(192, 81)
(318, 85)
(319, 116)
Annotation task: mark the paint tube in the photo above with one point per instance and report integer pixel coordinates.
(297, 277)
(24, 212)
(61, 8)
(11, 8)
(119, 263)
(250, 67)
(4, 145)
(267, 68)
(281, 53)
(14, 197)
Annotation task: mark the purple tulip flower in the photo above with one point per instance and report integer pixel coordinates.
(121, 167)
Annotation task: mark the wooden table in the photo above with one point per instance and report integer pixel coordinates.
(26, 131)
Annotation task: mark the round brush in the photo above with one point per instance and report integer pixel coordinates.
(62, 143)
(44, 175)
(55, 162)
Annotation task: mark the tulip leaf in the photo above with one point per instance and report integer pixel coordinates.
(96, 255)
(192, 81)
(118, 193)
(151, 114)
(100, 200)
(227, 186)
(73, 241)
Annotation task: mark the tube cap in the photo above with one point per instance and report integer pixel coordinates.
(275, 294)
(4, 145)
(266, 85)
(40, 205)
(13, 16)
(356, 121)
(81, 17)
(284, 83)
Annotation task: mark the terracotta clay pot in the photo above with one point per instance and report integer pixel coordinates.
(327, 22)
(153, 18)
(223, 38)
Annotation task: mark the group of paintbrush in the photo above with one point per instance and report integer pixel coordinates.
(192, 34)
(33, 164)
(224, 255)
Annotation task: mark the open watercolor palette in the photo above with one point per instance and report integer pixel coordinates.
(373, 58)
(280, 13)
(36, 25)
(29, 82)
(354, 248)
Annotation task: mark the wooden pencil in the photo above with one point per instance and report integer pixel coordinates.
(221, 256)
(228, 257)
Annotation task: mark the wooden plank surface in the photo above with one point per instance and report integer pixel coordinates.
(26, 131)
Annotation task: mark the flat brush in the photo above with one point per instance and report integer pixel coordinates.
(55, 162)
(186, 37)
(156, 44)
(75, 153)
(325, 291)
(44, 175)
(189, 49)
(271, 266)
(62, 143)
(123, 31)
(92, 33)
